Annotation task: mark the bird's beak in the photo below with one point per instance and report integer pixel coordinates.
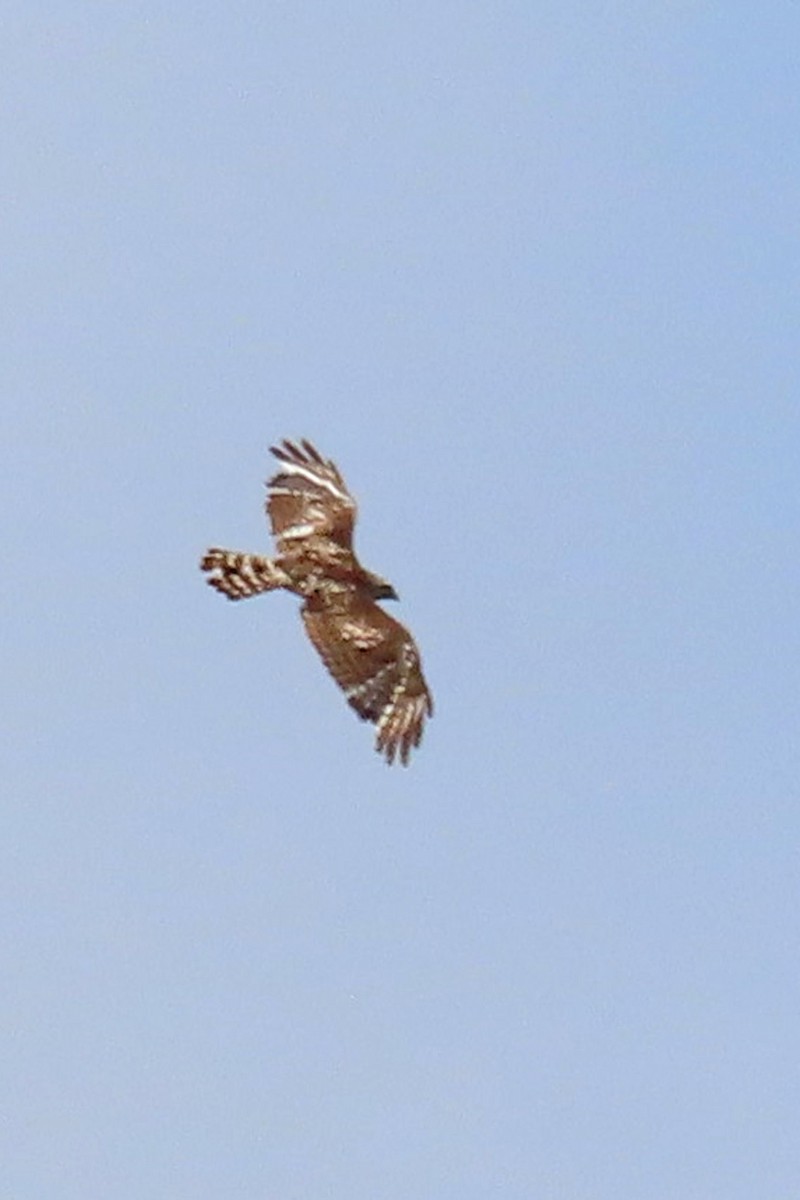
(381, 589)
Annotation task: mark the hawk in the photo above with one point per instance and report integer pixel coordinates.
(372, 657)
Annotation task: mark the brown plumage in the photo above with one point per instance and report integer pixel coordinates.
(371, 656)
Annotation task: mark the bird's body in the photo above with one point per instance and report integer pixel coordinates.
(371, 656)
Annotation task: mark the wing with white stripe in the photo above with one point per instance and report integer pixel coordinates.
(374, 660)
(308, 498)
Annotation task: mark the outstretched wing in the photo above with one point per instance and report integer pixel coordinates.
(374, 660)
(308, 498)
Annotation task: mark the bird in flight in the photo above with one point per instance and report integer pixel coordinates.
(372, 657)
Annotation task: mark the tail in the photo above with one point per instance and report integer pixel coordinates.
(238, 575)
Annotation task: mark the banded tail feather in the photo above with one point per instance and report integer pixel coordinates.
(238, 575)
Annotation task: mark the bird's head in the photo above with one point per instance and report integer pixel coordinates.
(380, 589)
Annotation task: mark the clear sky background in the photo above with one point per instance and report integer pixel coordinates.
(529, 272)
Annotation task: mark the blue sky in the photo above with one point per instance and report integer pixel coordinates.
(528, 272)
